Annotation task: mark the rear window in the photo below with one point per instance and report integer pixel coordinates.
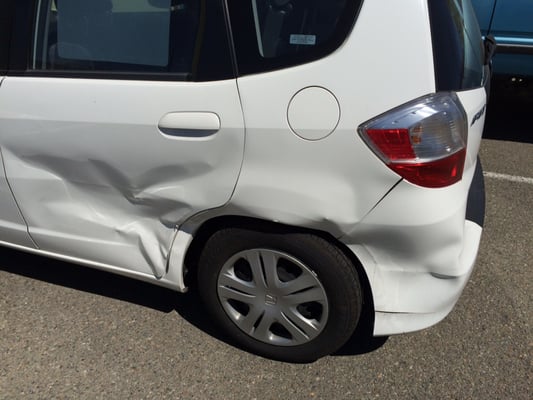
(457, 45)
(273, 34)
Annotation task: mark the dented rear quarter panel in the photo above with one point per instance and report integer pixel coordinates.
(332, 183)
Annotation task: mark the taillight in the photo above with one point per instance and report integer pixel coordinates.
(424, 141)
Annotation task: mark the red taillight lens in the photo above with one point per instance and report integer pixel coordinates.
(423, 141)
(394, 142)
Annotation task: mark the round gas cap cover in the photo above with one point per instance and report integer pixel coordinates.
(313, 113)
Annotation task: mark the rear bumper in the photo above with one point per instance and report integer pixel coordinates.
(428, 287)
(418, 269)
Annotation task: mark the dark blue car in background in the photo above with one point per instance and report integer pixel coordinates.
(511, 24)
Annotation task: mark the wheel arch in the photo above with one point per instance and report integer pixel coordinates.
(204, 230)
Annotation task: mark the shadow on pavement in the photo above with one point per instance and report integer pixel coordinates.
(362, 341)
(109, 285)
(188, 306)
(87, 280)
(509, 112)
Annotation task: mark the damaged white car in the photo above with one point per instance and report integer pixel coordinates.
(301, 160)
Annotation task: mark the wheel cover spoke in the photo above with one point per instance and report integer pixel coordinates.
(270, 263)
(256, 265)
(262, 332)
(248, 322)
(309, 327)
(302, 331)
(296, 285)
(315, 294)
(286, 312)
(229, 280)
(232, 294)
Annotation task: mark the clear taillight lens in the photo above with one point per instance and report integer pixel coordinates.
(424, 141)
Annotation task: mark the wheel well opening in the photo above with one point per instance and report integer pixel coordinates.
(364, 331)
(365, 326)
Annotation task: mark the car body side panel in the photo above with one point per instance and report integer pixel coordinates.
(12, 226)
(332, 183)
(97, 180)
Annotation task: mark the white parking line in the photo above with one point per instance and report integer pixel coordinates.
(510, 178)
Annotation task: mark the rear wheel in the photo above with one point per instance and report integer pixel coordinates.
(288, 296)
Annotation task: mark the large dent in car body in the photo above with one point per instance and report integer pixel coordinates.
(325, 202)
(332, 183)
(132, 220)
(417, 256)
(328, 185)
(102, 183)
(13, 228)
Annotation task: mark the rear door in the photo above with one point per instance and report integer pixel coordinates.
(123, 121)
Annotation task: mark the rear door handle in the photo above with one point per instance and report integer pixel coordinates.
(189, 124)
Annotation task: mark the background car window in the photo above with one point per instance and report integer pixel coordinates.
(118, 35)
(457, 45)
(272, 34)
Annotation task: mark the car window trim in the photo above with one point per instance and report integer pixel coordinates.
(248, 59)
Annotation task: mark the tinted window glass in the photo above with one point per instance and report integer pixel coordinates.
(129, 36)
(271, 34)
(457, 45)
(118, 31)
(6, 10)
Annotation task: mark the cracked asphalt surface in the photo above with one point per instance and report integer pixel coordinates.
(72, 332)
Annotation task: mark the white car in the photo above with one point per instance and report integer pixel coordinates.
(302, 161)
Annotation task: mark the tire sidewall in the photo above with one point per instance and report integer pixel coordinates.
(343, 295)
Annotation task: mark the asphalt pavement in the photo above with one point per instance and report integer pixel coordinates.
(76, 333)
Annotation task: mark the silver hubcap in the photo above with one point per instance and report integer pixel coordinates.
(273, 297)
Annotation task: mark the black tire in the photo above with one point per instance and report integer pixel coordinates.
(334, 315)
